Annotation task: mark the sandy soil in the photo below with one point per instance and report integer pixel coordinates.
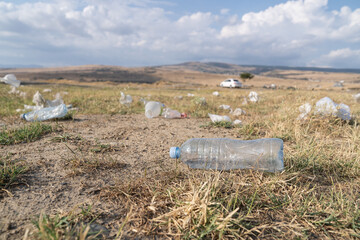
(57, 183)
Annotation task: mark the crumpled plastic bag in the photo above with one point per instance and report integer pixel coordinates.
(225, 107)
(125, 99)
(327, 107)
(217, 118)
(216, 93)
(56, 102)
(38, 99)
(238, 112)
(10, 79)
(304, 109)
(170, 113)
(253, 97)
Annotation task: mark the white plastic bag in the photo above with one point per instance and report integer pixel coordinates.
(125, 99)
(304, 109)
(10, 79)
(225, 107)
(253, 97)
(170, 113)
(238, 112)
(327, 107)
(38, 99)
(217, 118)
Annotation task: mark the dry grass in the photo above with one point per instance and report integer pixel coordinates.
(315, 197)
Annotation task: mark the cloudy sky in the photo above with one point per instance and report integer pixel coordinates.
(321, 33)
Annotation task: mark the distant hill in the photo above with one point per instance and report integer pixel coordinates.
(234, 69)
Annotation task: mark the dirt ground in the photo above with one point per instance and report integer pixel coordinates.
(129, 146)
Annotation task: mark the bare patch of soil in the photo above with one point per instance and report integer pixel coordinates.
(79, 166)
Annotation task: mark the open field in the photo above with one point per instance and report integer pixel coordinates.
(108, 169)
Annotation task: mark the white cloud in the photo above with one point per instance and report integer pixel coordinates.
(136, 32)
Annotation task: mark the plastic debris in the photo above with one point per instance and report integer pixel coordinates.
(38, 99)
(190, 95)
(225, 107)
(125, 99)
(357, 97)
(253, 97)
(237, 122)
(327, 107)
(56, 102)
(10, 79)
(143, 100)
(216, 93)
(170, 113)
(45, 113)
(339, 84)
(238, 112)
(244, 102)
(153, 109)
(178, 97)
(217, 118)
(200, 101)
(304, 109)
(47, 90)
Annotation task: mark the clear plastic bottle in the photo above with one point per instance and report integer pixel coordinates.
(153, 109)
(45, 113)
(225, 154)
(169, 113)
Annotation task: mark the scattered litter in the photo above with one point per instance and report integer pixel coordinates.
(143, 100)
(238, 112)
(200, 101)
(38, 99)
(357, 97)
(304, 109)
(13, 90)
(253, 97)
(190, 95)
(237, 122)
(125, 99)
(217, 118)
(327, 107)
(153, 109)
(169, 113)
(178, 97)
(216, 93)
(10, 79)
(47, 90)
(339, 84)
(45, 113)
(244, 102)
(271, 86)
(225, 107)
(23, 94)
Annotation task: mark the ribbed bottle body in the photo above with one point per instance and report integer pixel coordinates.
(225, 154)
(46, 113)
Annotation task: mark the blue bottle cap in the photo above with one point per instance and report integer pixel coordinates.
(175, 152)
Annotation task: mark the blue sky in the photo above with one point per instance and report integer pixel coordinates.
(316, 33)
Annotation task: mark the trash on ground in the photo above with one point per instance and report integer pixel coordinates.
(225, 154)
(217, 118)
(327, 107)
(170, 113)
(244, 102)
(253, 97)
(237, 122)
(10, 79)
(339, 84)
(178, 97)
(357, 97)
(238, 112)
(125, 99)
(47, 90)
(153, 109)
(57, 101)
(190, 95)
(304, 109)
(200, 101)
(143, 100)
(38, 99)
(225, 107)
(216, 93)
(45, 113)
